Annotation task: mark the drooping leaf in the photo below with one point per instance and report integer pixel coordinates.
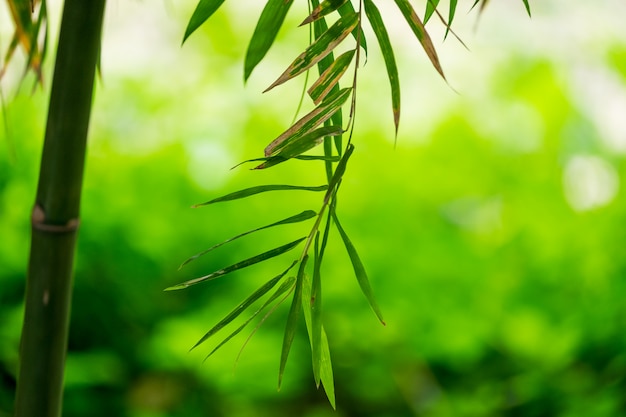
(358, 34)
(257, 190)
(203, 11)
(322, 9)
(284, 287)
(380, 31)
(292, 320)
(527, 5)
(240, 265)
(300, 145)
(267, 28)
(359, 269)
(330, 77)
(451, 14)
(322, 365)
(319, 115)
(420, 32)
(341, 168)
(305, 215)
(322, 46)
(243, 306)
(431, 6)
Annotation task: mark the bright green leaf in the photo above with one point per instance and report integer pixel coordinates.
(305, 215)
(359, 269)
(292, 320)
(431, 6)
(321, 10)
(240, 265)
(243, 306)
(267, 28)
(257, 190)
(203, 11)
(380, 31)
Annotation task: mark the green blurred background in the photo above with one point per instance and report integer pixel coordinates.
(492, 232)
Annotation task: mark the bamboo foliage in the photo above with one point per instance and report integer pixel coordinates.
(330, 22)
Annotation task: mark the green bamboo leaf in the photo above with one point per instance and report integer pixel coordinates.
(451, 14)
(319, 49)
(341, 168)
(243, 306)
(310, 121)
(300, 157)
(305, 215)
(420, 32)
(299, 145)
(292, 320)
(359, 269)
(373, 15)
(284, 287)
(319, 344)
(267, 28)
(321, 10)
(527, 5)
(203, 11)
(330, 77)
(257, 190)
(431, 6)
(240, 265)
(358, 34)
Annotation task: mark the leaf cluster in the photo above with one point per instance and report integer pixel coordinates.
(331, 23)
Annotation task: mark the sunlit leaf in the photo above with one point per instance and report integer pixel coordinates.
(420, 32)
(203, 11)
(380, 31)
(267, 28)
(305, 215)
(292, 320)
(300, 145)
(359, 269)
(257, 190)
(330, 77)
(319, 49)
(319, 115)
(284, 287)
(240, 265)
(451, 14)
(243, 306)
(322, 9)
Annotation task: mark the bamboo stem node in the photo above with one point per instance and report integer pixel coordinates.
(38, 220)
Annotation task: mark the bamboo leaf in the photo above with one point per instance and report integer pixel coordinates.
(305, 215)
(359, 269)
(380, 31)
(527, 5)
(284, 287)
(240, 265)
(257, 190)
(322, 365)
(451, 14)
(322, 9)
(292, 320)
(322, 46)
(203, 11)
(358, 34)
(300, 145)
(420, 32)
(330, 77)
(243, 306)
(431, 6)
(319, 115)
(267, 28)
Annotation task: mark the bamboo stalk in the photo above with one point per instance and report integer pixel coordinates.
(55, 216)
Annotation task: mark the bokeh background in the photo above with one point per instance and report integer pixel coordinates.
(492, 232)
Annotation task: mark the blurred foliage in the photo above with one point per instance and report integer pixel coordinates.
(494, 248)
